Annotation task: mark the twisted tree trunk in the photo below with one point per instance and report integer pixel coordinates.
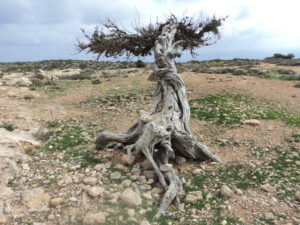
(164, 132)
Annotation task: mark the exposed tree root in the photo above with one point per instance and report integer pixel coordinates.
(164, 132)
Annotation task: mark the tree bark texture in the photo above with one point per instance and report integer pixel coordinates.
(163, 132)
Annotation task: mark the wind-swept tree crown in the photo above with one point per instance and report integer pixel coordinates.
(112, 41)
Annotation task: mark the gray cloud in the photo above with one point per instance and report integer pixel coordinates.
(47, 29)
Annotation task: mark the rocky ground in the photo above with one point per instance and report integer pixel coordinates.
(51, 174)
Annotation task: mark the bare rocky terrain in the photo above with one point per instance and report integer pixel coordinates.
(246, 111)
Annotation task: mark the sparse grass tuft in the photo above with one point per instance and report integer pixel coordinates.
(229, 109)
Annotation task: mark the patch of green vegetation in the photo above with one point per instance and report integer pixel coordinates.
(289, 77)
(84, 157)
(218, 218)
(8, 127)
(280, 171)
(67, 136)
(229, 109)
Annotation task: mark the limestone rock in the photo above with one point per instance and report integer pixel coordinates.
(19, 82)
(268, 188)
(95, 191)
(226, 191)
(197, 171)
(56, 201)
(131, 212)
(146, 165)
(252, 122)
(145, 222)
(115, 175)
(131, 198)
(150, 174)
(127, 161)
(193, 196)
(36, 199)
(94, 218)
(180, 159)
(90, 180)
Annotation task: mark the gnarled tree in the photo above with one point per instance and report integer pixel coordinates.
(163, 132)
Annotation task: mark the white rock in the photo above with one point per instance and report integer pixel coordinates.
(90, 180)
(226, 191)
(100, 167)
(36, 199)
(126, 183)
(268, 188)
(95, 191)
(131, 212)
(20, 82)
(252, 122)
(197, 171)
(147, 196)
(56, 201)
(127, 161)
(145, 222)
(94, 218)
(269, 216)
(115, 175)
(131, 198)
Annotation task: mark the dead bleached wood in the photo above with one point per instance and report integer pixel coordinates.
(164, 132)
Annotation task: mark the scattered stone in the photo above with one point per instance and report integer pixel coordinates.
(297, 196)
(224, 222)
(193, 196)
(100, 167)
(107, 195)
(252, 122)
(180, 159)
(147, 196)
(197, 171)
(131, 212)
(136, 171)
(145, 222)
(95, 191)
(149, 174)
(226, 191)
(122, 167)
(90, 180)
(51, 217)
(115, 175)
(131, 198)
(36, 199)
(238, 191)
(127, 161)
(268, 188)
(19, 82)
(269, 216)
(146, 165)
(94, 218)
(157, 190)
(126, 183)
(56, 201)
(150, 181)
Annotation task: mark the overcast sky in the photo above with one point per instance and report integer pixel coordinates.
(32, 30)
